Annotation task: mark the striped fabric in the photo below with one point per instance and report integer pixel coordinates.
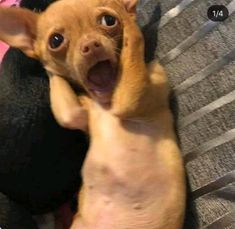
(199, 56)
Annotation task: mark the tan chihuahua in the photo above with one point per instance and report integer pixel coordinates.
(133, 176)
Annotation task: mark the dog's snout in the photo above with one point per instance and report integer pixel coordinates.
(90, 47)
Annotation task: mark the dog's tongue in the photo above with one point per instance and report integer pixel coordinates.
(101, 76)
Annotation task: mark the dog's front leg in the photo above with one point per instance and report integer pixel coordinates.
(66, 105)
(133, 79)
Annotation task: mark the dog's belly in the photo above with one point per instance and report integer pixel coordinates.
(119, 218)
(125, 175)
(122, 157)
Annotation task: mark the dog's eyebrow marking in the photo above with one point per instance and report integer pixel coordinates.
(107, 9)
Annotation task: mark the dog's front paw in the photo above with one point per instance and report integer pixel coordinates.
(75, 118)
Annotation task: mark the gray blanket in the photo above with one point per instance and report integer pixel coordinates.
(199, 56)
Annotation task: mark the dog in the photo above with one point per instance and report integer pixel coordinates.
(133, 175)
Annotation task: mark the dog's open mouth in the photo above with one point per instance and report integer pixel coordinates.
(101, 80)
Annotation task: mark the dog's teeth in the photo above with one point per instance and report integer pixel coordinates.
(98, 93)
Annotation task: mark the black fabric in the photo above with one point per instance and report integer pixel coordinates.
(14, 216)
(36, 5)
(40, 161)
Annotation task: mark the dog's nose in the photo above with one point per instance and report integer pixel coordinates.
(90, 47)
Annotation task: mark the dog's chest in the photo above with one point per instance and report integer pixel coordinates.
(122, 156)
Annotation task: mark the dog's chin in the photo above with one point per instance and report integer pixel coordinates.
(101, 80)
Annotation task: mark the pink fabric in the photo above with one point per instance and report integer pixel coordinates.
(3, 49)
(6, 3)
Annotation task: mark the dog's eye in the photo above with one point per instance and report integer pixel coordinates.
(108, 20)
(56, 40)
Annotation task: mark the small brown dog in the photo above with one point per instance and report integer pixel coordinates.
(133, 175)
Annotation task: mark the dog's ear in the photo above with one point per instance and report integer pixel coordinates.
(130, 5)
(18, 29)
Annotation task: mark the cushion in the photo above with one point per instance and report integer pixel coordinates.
(199, 56)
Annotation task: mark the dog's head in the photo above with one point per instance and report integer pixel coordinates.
(77, 39)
